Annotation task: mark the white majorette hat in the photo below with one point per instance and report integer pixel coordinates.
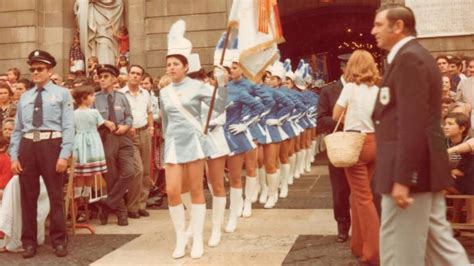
(231, 53)
(309, 77)
(194, 63)
(177, 43)
(277, 70)
(234, 52)
(287, 66)
(300, 74)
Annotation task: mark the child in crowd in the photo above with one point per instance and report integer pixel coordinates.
(123, 41)
(5, 165)
(13, 75)
(88, 150)
(122, 65)
(456, 130)
(76, 57)
(92, 63)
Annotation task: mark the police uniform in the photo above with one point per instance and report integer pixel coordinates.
(118, 148)
(44, 132)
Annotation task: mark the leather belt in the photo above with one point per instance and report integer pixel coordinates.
(141, 128)
(42, 135)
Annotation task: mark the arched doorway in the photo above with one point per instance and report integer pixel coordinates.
(320, 30)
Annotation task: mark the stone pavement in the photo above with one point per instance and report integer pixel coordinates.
(300, 230)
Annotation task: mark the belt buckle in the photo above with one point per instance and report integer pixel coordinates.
(36, 136)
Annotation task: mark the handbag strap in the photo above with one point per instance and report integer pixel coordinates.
(177, 103)
(339, 121)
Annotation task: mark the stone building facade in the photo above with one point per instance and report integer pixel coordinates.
(49, 24)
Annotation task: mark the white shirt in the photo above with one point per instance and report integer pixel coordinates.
(140, 105)
(394, 51)
(359, 101)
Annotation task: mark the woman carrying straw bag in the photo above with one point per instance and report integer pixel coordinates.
(357, 100)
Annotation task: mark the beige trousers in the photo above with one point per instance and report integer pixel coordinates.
(139, 187)
(419, 235)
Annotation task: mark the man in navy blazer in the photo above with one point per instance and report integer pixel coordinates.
(412, 163)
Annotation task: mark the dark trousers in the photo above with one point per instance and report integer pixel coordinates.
(39, 159)
(120, 169)
(340, 197)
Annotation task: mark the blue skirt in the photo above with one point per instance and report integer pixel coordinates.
(275, 134)
(288, 129)
(257, 133)
(239, 143)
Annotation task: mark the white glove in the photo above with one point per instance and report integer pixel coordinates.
(265, 113)
(273, 122)
(237, 128)
(220, 76)
(283, 119)
(252, 120)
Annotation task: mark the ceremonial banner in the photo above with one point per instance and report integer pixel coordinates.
(435, 18)
(258, 27)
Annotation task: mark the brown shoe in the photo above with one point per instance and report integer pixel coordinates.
(143, 213)
(60, 251)
(29, 252)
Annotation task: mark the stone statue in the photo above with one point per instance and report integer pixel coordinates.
(96, 20)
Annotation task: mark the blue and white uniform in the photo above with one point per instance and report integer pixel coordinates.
(216, 128)
(183, 131)
(237, 99)
(281, 110)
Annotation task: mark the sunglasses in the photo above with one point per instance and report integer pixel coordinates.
(105, 76)
(37, 69)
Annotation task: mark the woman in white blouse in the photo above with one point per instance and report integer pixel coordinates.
(357, 100)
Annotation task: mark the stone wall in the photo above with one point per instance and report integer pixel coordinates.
(48, 24)
(453, 45)
(18, 31)
(26, 25)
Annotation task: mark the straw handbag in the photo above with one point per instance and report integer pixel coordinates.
(344, 148)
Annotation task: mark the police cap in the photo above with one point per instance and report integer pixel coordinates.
(108, 68)
(41, 56)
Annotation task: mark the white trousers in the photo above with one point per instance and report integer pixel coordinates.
(418, 235)
(10, 214)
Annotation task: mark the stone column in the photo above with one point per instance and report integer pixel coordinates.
(55, 27)
(136, 30)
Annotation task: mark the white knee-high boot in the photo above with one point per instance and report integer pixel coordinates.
(314, 149)
(296, 172)
(263, 185)
(177, 216)
(272, 180)
(254, 196)
(285, 171)
(291, 172)
(250, 187)
(302, 161)
(186, 199)
(235, 207)
(197, 222)
(309, 155)
(218, 209)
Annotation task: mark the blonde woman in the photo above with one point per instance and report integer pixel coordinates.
(357, 100)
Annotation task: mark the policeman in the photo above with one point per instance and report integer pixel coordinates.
(118, 145)
(41, 145)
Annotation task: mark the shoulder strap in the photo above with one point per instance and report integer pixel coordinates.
(177, 103)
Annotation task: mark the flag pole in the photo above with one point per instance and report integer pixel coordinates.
(213, 98)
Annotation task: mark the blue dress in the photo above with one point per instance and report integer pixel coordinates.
(283, 107)
(238, 98)
(257, 130)
(88, 149)
(183, 132)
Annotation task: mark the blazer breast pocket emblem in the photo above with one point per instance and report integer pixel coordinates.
(384, 96)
